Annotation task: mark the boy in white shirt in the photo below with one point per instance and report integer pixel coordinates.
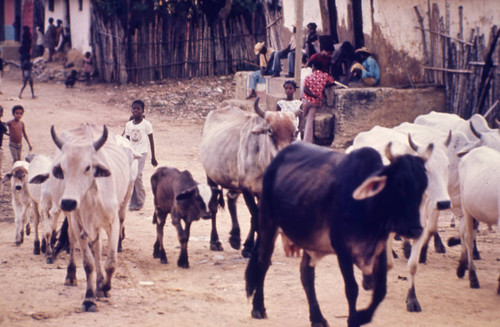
(140, 133)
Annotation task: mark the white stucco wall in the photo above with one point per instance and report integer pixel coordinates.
(80, 25)
(311, 13)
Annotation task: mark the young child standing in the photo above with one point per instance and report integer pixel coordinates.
(27, 77)
(87, 66)
(3, 130)
(17, 131)
(140, 133)
(290, 104)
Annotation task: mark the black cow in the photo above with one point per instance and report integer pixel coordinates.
(177, 193)
(328, 202)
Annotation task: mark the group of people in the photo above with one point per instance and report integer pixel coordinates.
(138, 131)
(327, 65)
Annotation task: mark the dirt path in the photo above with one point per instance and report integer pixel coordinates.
(211, 292)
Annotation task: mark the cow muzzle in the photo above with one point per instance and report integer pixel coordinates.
(68, 204)
(443, 205)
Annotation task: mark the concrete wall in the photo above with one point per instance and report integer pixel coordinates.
(9, 16)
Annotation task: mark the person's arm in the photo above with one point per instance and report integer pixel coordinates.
(308, 91)
(370, 67)
(152, 145)
(26, 138)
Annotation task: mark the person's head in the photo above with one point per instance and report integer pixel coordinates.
(316, 65)
(260, 47)
(26, 29)
(17, 112)
(59, 22)
(137, 109)
(290, 86)
(87, 54)
(51, 20)
(363, 53)
(311, 27)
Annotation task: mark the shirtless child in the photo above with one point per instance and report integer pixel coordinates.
(17, 131)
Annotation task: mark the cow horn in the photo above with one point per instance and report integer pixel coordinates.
(56, 139)
(448, 140)
(100, 142)
(388, 152)
(412, 144)
(257, 109)
(474, 130)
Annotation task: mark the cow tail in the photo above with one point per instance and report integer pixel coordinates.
(63, 239)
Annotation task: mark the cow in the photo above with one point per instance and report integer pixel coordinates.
(456, 142)
(236, 148)
(435, 198)
(479, 172)
(92, 186)
(21, 200)
(178, 194)
(44, 210)
(327, 202)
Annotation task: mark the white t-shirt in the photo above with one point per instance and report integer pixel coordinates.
(138, 135)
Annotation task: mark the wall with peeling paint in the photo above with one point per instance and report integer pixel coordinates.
(389, 29)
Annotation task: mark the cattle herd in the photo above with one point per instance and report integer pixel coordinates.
(390, 182)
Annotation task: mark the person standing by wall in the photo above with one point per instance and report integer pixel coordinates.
(39, 50)
(25, 48)
(50, 38)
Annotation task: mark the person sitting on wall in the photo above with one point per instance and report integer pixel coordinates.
(342, 59)
(325, 57)
(367, 71)
(266, 57)
(289, 53)
(311, 44)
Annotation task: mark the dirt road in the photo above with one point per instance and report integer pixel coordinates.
(211, 292)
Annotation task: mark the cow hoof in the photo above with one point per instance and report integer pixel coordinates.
(36, 248)
(407, 249)
(184, 265)
(246, 253)
(461, 270)
(439, 248)
(235, 242)
(474, 282)
(368, 282)
(323, 323)
(89, 306)
(259, 314)
(49, 260)
(28, 229)
(71, 282)
(44, 246)
(476, 255)
(216, 246)
(413, 306)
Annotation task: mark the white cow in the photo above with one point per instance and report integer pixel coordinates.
(45, 211)
(479, 173)
(92, 185)
(435, 197)
(21, 201)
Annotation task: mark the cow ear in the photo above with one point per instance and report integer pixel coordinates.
(7, 177)
(370, 187)
(101, 171)
(185, 195)
(39, 179)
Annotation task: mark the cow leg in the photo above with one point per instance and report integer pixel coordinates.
(234, 238)
(254, 212)
(259, 263)
(36, 222)
(122, 213)
(158, 249)
(307, 276)
(95, 248)
(88, 304)
(183, 237)
(379, 278)
(110, 265)
(469, 244)
(412, 304)
(71, 270)
(215, 244)
(438, 244)
(351, 287)
(18, 212)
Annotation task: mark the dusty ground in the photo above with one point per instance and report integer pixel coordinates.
(211, 292)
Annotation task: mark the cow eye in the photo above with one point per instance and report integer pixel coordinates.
(57, 172)
(87, 169)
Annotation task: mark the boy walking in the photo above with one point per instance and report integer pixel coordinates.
(140, 133)
(3, 130)
(17, 131)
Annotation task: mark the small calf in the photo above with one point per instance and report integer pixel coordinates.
(176, 193)
(21, 200)
(71, 79)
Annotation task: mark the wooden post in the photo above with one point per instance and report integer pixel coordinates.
(299, 13)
